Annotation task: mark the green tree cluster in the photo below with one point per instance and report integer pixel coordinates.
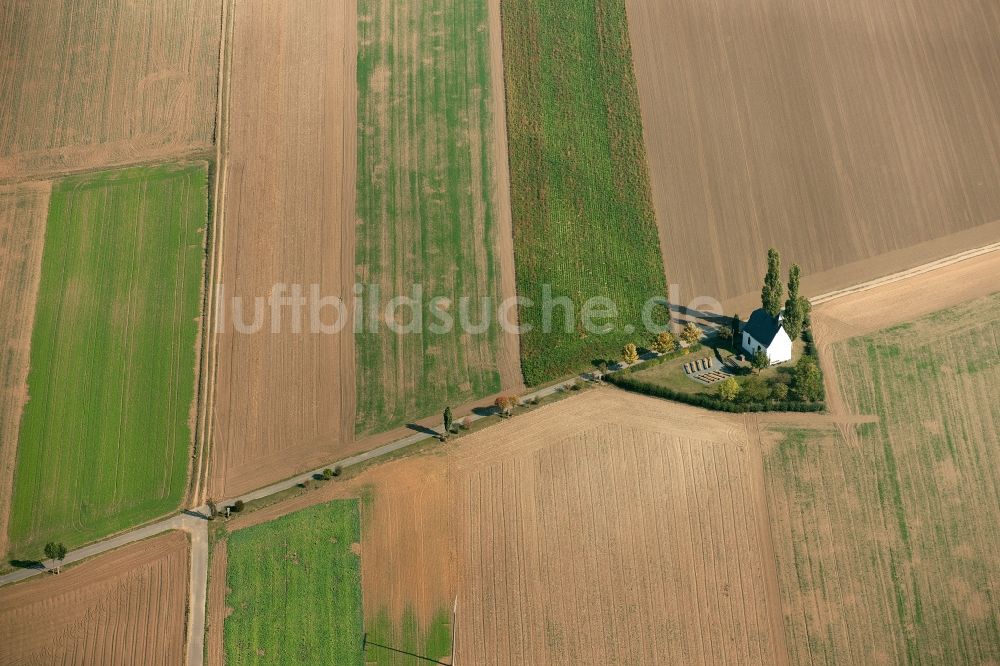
(807, 382)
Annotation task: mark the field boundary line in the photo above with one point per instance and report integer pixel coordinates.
(209, 363)
(908, 273)
(193, 155)
(772, 584)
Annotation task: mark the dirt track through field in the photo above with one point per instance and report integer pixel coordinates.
(285, 401)
(88, 84)
(607, 526)
(850, 135)
(124, 607)
(23, 211)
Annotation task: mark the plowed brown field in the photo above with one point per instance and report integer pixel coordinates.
(285, 400)
(604, 528)
(125, 607)
(23, 210)
(91, 83)
(839, 132)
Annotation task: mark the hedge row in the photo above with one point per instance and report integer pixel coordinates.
(624, 381)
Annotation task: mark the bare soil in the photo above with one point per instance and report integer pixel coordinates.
(857, 137)
(604, 527)
(23, 212)
(87, 84)
(125, 607)
(285, 400)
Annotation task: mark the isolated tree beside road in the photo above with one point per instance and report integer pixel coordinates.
(506, 404)
(56, 551)
(630, 354)
(447, 420)
(771, 294)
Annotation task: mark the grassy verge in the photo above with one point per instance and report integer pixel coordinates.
(105, 435)
(426, 214)
(295, 589)
(583, 217)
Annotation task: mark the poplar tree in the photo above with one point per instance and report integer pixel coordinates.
(794, 311)
(770, 295)
(447, 420)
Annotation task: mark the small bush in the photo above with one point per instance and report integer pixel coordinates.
(327, 473)
(754, 389)
(337, 470)
(728, 389)
(691, 333)
(630, 354)
(779, 391)
(665, 343)
(238, 506)
(466, 423)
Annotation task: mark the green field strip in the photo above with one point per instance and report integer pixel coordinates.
(104, 439)
(294, 587)
(426, 213)
(582, 207)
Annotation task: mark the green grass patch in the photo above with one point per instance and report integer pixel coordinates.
(295, 589)
(105, 436)
(426, 213)
(583, 215)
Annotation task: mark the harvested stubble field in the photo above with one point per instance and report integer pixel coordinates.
(91, 83)
(284, 401)
(834, 131)
(23, 209)
(887, 543)
(603, 528)
(105, 434)
(124, 607)
(583, 215)
(294, 589)
(430, 209)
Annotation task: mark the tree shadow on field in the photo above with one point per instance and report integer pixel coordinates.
(489, 410)
(422, 429)
(690, 314)
(26, 564)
